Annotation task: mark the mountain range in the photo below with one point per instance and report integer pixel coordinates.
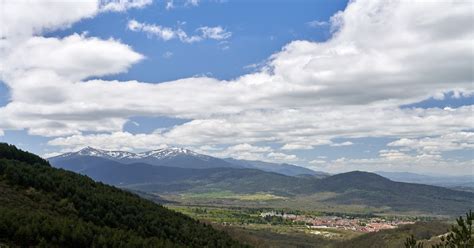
(183, 158)
(154, 172)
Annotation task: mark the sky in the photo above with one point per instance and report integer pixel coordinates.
(330, 85)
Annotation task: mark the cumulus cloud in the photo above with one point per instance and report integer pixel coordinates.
(294, 128)
(215, 33)
(253, 152)
(434, 145)
(382, 55)
(73, 57)
(346, 143)
(398, 161)
(278, 156)
(123, 5)
(167, 33)
(25, 18)
(297, 146)
(316, 23)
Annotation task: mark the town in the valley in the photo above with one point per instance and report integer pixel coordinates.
(374, 224)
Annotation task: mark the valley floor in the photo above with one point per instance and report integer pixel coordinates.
(264, 220)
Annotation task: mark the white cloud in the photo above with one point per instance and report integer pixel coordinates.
(241, 151)
(73, 57)
(192, 3)
(400, 162)
(382, 55)
(394, 155)
(24, 18)
(249, 148)
(316, 23)
(215, 33)
(251, 152)
(346, 143)
(434, 145)
(278, 156)
(317, 162)
(167, 33)
(297, 146)
(169, 5)
(163, 33)
(123, 5)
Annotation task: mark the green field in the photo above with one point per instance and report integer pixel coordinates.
(310, 203)
(246, 225)
(239, 215)
(260, 196)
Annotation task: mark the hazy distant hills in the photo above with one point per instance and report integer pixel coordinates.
(351, 188)
(285, 169)
(445, 181)
(182, 158)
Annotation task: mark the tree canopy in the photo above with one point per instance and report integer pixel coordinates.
(48, 207)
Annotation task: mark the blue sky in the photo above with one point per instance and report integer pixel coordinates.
(315, 83)
(255, 35)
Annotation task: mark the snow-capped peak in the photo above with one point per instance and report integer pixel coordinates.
(157, 154)
(94, 152)
(89, 151)
(167, 152)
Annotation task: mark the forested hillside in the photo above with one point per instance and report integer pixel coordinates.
(48, 207)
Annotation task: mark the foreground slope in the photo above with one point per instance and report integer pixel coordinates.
(395, 238)
(41, 205)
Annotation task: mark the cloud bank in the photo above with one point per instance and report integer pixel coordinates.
(382, 55)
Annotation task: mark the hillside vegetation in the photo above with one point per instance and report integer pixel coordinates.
(48, 207)
(395, 238)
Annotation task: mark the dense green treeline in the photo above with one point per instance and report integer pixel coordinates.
(11, 152)
(44, 206)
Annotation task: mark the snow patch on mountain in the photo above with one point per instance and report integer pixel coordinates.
(163, 153)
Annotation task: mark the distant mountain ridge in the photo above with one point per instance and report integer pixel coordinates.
(438, 180)
(183, 158)
(355, 187)
(375, 190)
(163, 153)
(165, 179)
(285, 169)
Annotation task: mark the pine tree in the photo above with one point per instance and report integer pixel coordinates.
(460, 236)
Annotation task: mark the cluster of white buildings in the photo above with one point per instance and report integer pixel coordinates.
(354, 224)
